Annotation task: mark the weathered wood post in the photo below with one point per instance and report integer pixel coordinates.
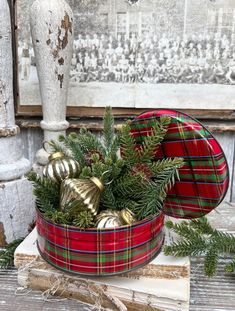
(52, 33)
(16, 199)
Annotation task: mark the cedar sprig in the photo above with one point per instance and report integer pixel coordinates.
(84, 220)
(199, 238)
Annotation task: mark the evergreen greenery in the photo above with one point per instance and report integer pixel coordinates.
(132, 180)
(84, 220)
(47, 192)
(7, 254)
(198, 238)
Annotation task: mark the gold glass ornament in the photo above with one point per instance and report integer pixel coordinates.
(81, 194)
(128, 216)
(109, 219)
(61, 167)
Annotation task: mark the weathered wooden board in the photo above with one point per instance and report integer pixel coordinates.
(161, 285)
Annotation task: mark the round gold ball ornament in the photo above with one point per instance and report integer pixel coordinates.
(61, 167)
(112, 219)
(109, 219)
(128, 216)
(81, 194)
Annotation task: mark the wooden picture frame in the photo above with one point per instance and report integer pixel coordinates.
(125, 21)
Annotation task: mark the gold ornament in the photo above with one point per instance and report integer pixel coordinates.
(128, 216)
(81, 194)
(109, 219)
(61, 167)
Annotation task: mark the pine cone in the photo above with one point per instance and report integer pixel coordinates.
(89, 155)
(142, 168)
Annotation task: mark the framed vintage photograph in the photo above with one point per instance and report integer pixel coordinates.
(140, 54)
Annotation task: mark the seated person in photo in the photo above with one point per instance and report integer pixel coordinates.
(230, 76)
(132, 73)
(104, 73)
(118, 73)
(219, 73)
(140, 72)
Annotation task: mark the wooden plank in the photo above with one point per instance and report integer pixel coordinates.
(227, 143)
(84, 112)
(95, 124)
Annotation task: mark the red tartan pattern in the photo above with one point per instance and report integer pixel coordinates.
(98, 252)
(204, 178)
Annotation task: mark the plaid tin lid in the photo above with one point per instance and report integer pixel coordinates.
(204, 178)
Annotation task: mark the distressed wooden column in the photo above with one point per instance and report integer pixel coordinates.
(16, 199)
(52, 33)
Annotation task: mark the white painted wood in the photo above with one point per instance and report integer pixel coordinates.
(7, 118)
(16, 198)
(16, 209)
(12, 163)
(136, 290)
(52, 34)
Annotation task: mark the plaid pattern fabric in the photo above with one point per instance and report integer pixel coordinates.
(204, 178)
(100, 252)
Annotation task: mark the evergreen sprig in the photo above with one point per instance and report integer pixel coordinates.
(198, 238)
(128, 146)
(46, 191)
(154, 139)
(7, 254)
(84, 220)
(71, 142)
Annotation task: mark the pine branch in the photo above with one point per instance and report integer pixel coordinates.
(185, 248)
(150, 202)
(71, 142)
(108, 200)
(211, 261)
(166, 178)
(7, 254)
(126, 203)
(200, 238)
(56, 147)
(129, 185)
(128, 145)
(154, 139)
(158, 166)
(90, 142)
(46, 191)
(108, 128)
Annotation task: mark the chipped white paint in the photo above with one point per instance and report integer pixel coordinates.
(7, 119)
(16, 208)
(12, 163)
(16, 199)
(52, 33)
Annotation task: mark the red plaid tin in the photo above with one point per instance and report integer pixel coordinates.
(100, 252)
(202, 186)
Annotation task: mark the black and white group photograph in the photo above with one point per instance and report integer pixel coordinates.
(124, 43)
